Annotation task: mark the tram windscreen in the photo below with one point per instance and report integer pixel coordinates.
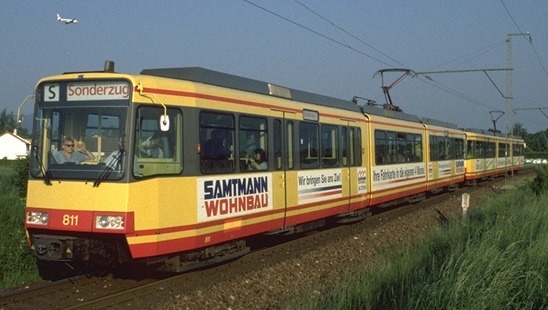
(79, 139)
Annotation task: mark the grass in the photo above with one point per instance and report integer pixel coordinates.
(17, 265)
(497, 259)
(5, 170)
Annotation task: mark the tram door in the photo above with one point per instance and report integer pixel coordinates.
(348, 151)
(283, 153)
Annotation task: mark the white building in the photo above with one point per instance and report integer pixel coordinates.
(13, 146)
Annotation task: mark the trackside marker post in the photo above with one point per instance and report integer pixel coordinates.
(465, 205)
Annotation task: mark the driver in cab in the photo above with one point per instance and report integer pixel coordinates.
(69, 155)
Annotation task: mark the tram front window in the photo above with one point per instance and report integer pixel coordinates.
(76, 142)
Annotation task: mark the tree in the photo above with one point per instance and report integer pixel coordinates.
(537, 142)
(7, 121)
(519, 130)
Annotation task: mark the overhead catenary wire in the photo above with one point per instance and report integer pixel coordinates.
(445, 88)
(530, 41)
(428, 80)
(473, 55)
(350, 34)
(315, 32)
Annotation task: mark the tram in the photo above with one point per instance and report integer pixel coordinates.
(161, 167)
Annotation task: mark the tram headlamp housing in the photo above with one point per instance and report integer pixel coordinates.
(109, 222)
(37, 218)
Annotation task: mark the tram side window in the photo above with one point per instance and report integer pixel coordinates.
(470, 149)
(289, 145)
(401, 147)
(502, 150)
(330, 146)
(344, 146)
(412, 151)
(450, 148)
(446, 148)
(440, 148)
(381, 150)
(391, 144)
(518, 150)
(309, 145)
(417, 148)
(277, 144)
(479, 149)
(490, 150)
(355, 146)
(397, 147)
(434, 155)
(157, 151)
(216, 142)
(253, 134)
(443, 145)
(458, 148)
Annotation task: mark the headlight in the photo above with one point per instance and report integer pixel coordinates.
(37, 218)
(109, 222)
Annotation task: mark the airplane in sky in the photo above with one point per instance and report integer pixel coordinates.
(66, 20)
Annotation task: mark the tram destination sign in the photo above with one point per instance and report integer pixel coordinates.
(87, 91)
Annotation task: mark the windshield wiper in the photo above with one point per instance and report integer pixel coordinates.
(114, 164)
(47, 174)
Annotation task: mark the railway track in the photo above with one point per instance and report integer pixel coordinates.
(93, 292)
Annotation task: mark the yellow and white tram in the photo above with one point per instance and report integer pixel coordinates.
(172, 177)
(491, 154)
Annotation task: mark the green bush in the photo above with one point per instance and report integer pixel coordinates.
(17, 265)
(539, 184)
(535, 155)
(21, 176)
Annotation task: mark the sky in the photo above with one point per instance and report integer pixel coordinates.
(333, 48)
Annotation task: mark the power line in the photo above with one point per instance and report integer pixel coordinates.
(428, 80)
(438, 85)
(480, 52)
(511, 17)
(350, 34)
(315, 32)
(530, 41)
(468, 71)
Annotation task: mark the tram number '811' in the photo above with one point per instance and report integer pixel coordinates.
(70, 220)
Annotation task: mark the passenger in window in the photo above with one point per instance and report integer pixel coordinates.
(215, 147)
(152, 147)
(258, 161)
(68, 155)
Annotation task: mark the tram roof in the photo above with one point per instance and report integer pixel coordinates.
(435, 122)
(490, 133)
(206, 76)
